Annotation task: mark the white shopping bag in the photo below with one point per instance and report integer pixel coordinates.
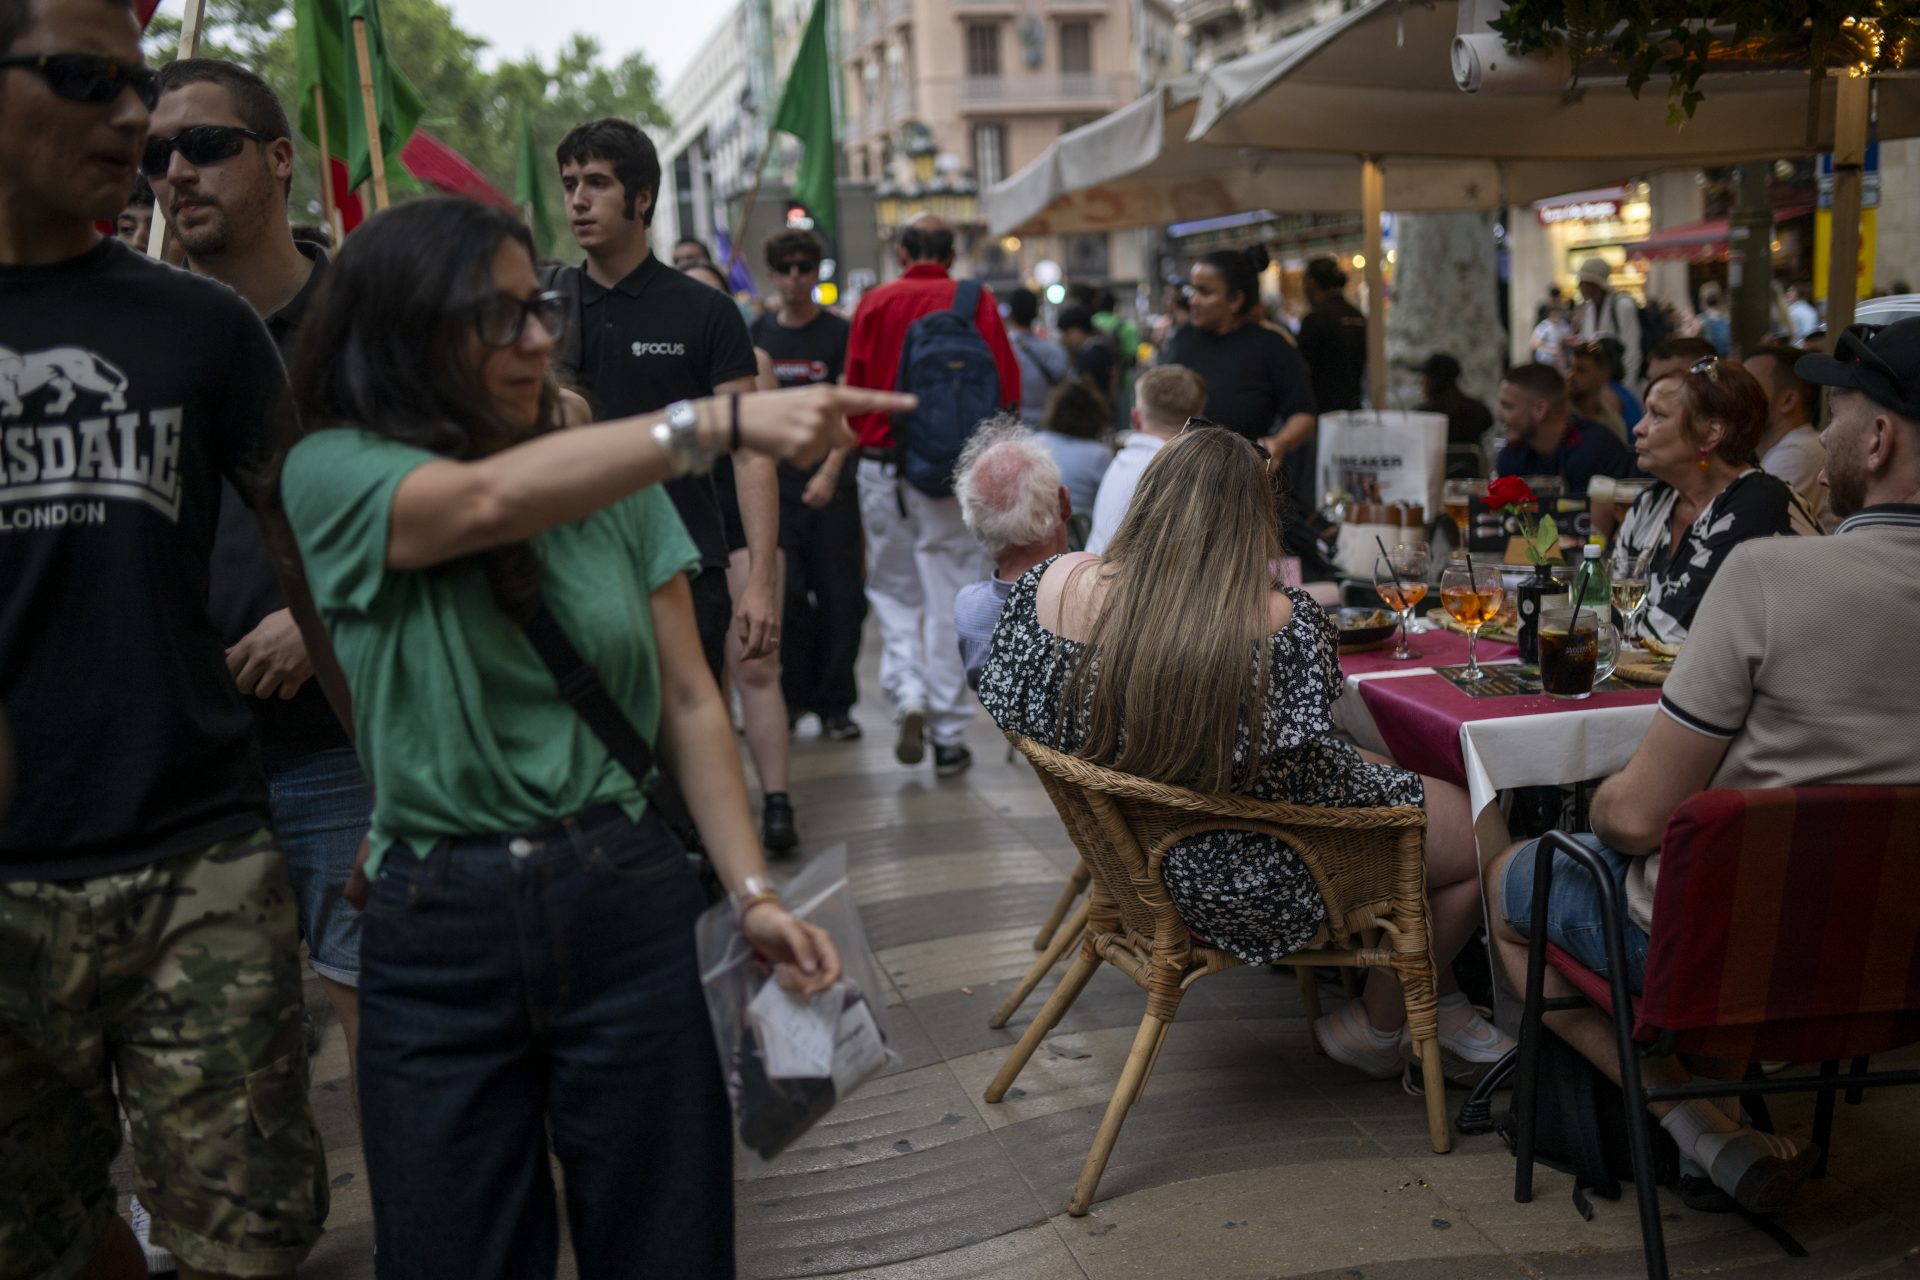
(1395, 455)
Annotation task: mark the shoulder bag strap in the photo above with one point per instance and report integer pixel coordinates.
(580, 686)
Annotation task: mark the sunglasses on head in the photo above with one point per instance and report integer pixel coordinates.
(203, 144)
(87, 77)
(503, 318)
(1199, 423)
(793, 266)
(1709, 365)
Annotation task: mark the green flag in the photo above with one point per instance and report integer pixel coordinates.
(806, 112)
(322, 61)
(396, 103)
(528, 191)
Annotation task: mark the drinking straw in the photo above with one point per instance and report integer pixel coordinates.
(1579, 596)
(1399, 586)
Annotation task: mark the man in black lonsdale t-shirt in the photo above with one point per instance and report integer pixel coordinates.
(148, 946)
(819, 510)
(650, 337)
(230, 215)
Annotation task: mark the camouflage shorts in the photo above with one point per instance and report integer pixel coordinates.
(182, 980)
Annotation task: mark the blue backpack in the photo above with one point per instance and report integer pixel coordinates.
(946, 363)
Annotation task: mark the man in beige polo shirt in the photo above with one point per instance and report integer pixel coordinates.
(1790, 677)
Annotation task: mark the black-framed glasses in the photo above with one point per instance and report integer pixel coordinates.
(1200, 423)
(503, 318)
(1853, 348)
(87, 77)
(1197, 422)
(202, 144)
(796, 266)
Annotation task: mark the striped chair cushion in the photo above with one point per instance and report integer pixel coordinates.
(1786, 925)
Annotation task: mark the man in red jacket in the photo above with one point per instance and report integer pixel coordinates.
(919, 553)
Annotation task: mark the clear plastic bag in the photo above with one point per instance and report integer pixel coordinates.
(788, 1060)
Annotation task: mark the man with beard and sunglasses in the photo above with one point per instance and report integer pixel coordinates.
(220, 157)
(148, 941)
(1790, 677)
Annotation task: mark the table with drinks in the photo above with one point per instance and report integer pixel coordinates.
(1463, 709)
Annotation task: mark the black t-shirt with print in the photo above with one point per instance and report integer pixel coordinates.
(812, 354)
(246, 589)
(655, 338)
(128, 389)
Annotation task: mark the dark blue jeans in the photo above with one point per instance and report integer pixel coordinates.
(545, 983)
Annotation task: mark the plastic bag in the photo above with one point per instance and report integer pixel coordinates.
(788, 1060)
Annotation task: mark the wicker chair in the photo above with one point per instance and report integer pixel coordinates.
(1369, 864)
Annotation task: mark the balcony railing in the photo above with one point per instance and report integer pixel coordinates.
(967, 8)
(1065, 89)
(1079, 6)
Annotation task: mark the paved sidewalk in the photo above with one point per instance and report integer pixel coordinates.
(1249, 1155)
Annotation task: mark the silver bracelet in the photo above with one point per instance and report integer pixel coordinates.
(678, 435)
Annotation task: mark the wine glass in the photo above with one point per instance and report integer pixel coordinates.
(1456, 496)
(1472, 593)
(1400, 577)
(1628, 575)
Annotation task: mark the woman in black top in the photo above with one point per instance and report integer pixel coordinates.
(1257, 384)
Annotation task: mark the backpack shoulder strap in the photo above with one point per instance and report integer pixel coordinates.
(966, 299)
(580, 686)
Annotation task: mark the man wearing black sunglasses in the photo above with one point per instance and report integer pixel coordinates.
(220, 157)
(135, 863)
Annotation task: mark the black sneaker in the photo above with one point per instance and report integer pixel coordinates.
(838, 726)
(948, 761)
(777, 831)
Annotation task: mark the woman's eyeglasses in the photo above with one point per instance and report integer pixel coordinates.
(503, 317)
(87, 77)
(203, 144)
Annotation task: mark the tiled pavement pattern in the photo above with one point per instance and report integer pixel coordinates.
(1248, 1156)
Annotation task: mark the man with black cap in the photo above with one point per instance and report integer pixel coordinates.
(1783, 682)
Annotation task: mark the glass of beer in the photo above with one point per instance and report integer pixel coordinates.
(1457, 497)
(1472, 594)
(1578, 649)
(1400, 577)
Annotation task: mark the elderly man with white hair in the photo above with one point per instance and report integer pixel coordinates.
(1012, 500)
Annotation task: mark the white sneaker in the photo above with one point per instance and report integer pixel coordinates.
(159, 1261)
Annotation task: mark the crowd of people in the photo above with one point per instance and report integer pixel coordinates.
(386, 601)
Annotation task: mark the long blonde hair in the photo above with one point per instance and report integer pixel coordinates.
(1189, 577)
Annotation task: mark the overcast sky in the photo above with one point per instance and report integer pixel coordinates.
(669, 32)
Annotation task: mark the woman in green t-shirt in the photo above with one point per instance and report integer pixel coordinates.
(528, 963)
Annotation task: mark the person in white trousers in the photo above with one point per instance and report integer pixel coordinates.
(919, 553)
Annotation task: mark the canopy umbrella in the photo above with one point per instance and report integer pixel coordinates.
(1379, 82)
(1136, 168)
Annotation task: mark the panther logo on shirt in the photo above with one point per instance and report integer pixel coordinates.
(67, 371)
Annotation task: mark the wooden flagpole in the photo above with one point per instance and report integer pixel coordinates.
(368, 104)
(189, 47)
(746, 210)
(335, 223)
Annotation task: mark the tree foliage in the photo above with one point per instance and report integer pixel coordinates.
(1687, 38)
(471, 108)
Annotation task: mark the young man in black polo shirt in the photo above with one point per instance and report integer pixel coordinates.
(819, 510)
(650, 336)
(148, 943)
(229, 212)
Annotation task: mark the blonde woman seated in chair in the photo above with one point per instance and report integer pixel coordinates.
(1183, 663)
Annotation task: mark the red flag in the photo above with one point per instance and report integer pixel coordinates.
(441, 167)
(351, 213)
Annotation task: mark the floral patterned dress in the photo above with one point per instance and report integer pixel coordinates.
(1246, 893)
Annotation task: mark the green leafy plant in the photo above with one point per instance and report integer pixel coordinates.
(1539, 535)
(1686, 40)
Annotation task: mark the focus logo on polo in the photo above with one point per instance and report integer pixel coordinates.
(46, 454)
(659, 348)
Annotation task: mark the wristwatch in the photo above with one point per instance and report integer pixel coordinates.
(753, 891)
(678, 436)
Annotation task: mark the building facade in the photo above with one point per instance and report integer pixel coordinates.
(982, 87)
(718, 127)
